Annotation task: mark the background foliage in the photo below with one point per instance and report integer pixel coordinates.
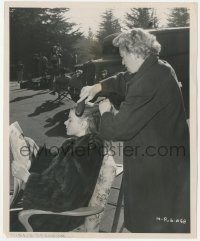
(36, 30)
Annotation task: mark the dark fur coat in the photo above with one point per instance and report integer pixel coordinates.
(67, 183)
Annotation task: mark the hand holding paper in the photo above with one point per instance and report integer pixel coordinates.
(33, 147)
(17, 142)
(20, 172)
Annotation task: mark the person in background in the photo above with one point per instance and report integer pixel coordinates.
(20, 70)
(36, 65)
(152, 124)
(55, 62)
(44, 65)
(61, 82)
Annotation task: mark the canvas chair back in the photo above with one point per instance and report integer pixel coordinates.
(101, 193)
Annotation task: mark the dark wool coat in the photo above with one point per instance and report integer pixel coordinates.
(152, 123)
(67, 183)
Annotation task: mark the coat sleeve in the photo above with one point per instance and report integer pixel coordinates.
(114, 84)
(135, 112)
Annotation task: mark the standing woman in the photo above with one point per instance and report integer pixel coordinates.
(152, 123)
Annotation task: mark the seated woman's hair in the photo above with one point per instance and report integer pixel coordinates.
(92, 115)
(139, 42)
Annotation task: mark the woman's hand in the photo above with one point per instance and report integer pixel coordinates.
(105, 106)
(89, 92)
(32, 145)
(20, 172)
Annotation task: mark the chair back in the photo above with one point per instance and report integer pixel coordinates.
(101, 192)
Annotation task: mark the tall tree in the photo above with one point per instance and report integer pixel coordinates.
(179, 17)
(35, 30)
(88, 48)
(95, 46)
(83, 49)
(108, 25)
(96, 49)
(90, 36)
(141, 18)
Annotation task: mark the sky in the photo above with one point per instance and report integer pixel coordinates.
(90, 16)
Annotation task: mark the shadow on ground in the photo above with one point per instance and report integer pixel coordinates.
(60, 117)
(27, 97)
(60, 129)
(19, 90)
(45, 107)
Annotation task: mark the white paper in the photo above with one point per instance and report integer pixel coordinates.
(17, 145)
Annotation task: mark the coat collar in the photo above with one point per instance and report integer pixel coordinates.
(149, 61)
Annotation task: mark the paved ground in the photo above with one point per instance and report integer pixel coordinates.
(41, 118)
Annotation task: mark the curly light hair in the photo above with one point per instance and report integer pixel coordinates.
(138, 41)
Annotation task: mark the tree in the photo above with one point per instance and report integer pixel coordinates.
(90, 36)
(36, 30)
(88, 48)
(96, 49)
(141, 18)
(109, 25)
(179, 17)
(83, 49)
(95, 46)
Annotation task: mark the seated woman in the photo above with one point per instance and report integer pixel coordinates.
(66, 181)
